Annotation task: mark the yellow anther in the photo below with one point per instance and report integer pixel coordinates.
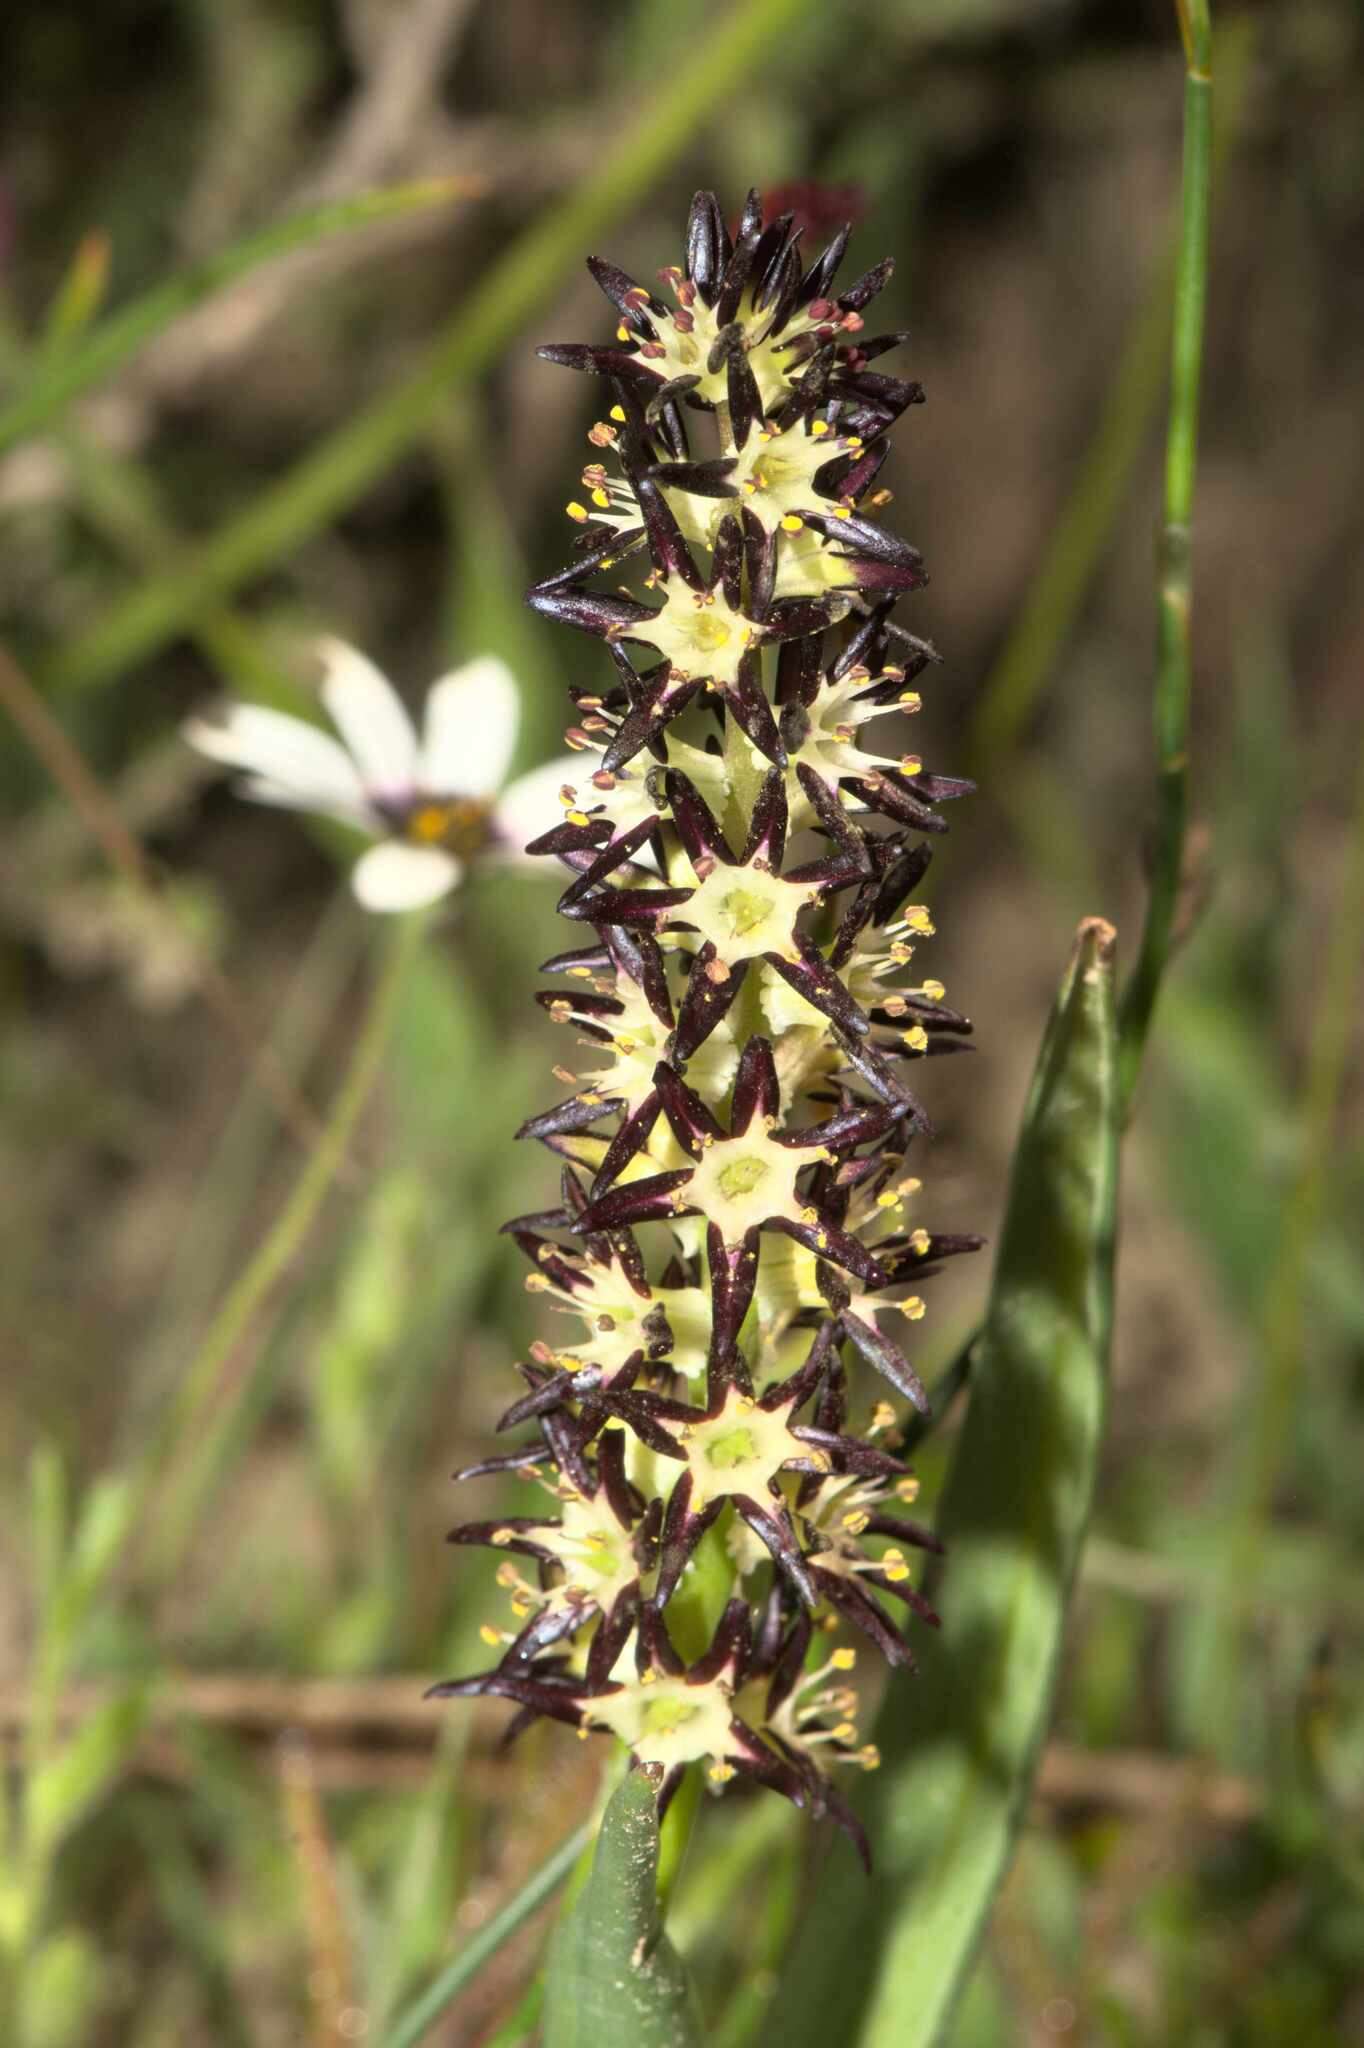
(916, 1039)
(913, 1307)
(910, 700)
(536, 1283)
(819, 429)
(910, 764)
(577, 511)
(578, 818)
(844, 1660)
(882, 1416)
(720, 1772)
(792, 523)
(894, 1566)
(855, 1521)
(846, 1731)
(934, 990)
(618, 413)
(623, 333)
(887, 1199)
(907, 1489)
(599, 497)
(492, 1636)
(502, 1537)
(869, 1757)
(919, 1242)
(917, 919)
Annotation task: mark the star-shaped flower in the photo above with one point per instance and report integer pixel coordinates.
(434, 802)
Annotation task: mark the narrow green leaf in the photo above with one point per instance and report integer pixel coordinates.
(424, 2011)
(614, 1979)
(73, 369)
(722, 52)
(85, 1766)
(887, 1963)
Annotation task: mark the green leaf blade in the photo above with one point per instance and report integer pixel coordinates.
(97, 352)
(614, 1980)
(960, 1745)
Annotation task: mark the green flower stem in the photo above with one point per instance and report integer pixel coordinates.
(189, 1430)
(336, 472)
(1174, 676)
(1096, 498)
(423, 2013)
(70, 369)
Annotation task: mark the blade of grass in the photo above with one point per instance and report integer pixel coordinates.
(75, 367)
(423, 2013)
(1174, 669)
(333, 474)
(885, 1966)
(187, 1438)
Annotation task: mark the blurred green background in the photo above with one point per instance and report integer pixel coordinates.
(235, 1381)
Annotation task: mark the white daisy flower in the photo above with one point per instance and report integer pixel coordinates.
(432, 800)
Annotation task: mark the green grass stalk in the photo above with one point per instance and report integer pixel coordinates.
(1174, 667)
(422, 2014)
(190, 1432)
(336, 472)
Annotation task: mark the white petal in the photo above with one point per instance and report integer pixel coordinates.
(531, 805)
(469, 733)
(395, 876)
(372, 720)
(262, 790)
(284, 751)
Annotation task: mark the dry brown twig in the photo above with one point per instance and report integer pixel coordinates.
(380, 1732)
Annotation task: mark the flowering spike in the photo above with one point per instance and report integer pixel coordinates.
(736, 1226)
